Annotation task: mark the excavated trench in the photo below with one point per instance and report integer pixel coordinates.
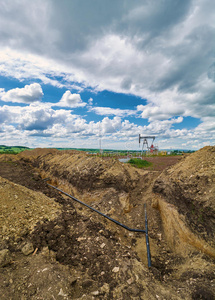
(95, 247)
(186, 222)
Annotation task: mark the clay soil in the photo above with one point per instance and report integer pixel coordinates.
(79, 255)
(160, 163)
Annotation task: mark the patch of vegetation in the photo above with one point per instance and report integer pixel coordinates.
(139, 163)
(12, 149)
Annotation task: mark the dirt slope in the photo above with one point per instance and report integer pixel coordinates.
(189, 189)
(83, 256)
(21, 209)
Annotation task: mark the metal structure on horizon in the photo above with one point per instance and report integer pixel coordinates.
(150, 148)
(100, 140)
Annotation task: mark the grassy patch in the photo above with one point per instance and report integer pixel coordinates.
(11, 149)
(139, 163)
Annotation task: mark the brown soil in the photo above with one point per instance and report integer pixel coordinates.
(80, 255)
(190, 187)
(160, 163)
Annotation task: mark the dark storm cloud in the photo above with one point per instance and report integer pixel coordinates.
(61, 27)
(153, 17)
(78, 22)
(126, 83)
(24, 25)
(190, 60)
(211, 72)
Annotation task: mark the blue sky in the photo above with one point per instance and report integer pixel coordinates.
(72, 72)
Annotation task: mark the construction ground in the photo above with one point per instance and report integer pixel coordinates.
(52, 247)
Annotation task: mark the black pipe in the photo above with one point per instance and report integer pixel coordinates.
(109, 218)
(116, 222)
(147, 239)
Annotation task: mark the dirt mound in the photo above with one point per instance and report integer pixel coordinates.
(82, 171)
(36, 152)
(8, 158)
(21, 209)
(189, 187)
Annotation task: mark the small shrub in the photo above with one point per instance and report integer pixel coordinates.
(139, 163)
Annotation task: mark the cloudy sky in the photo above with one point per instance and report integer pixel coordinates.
(75, 71)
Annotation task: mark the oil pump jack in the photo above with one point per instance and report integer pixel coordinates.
(149, 147)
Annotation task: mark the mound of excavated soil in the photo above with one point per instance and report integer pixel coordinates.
(80, 255)
(21, 209)
(86, 172)
(190, 187)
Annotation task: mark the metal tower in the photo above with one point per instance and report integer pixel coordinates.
(146, 139)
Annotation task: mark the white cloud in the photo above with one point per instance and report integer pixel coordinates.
(56, 131)
(40, 125)
(28, 94)
(110, 126)
(206, 130)
(71, 100)
(18, 65)
(5, 115)
(105, 111)
(164, 112)
(163, 127)
(36, 116)
(90, 102)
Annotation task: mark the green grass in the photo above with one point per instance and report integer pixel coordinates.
(11, 149)
(139, 163)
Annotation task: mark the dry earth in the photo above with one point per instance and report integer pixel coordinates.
(53, 248)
